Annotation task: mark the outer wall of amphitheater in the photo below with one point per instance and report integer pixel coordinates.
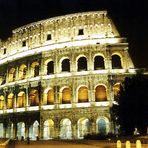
(60, 76)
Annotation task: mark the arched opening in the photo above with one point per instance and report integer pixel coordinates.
(102, 126)
(34, 98)
(65, 65)
(116, 62)
(34, 130)
(48, 97)
(82, 64)
(83, 94)
(116, 90)
(10, 99)
(100, 93)
(2, 79)
(20, 130)
(35, 69)
(12, 73)
(9, 131)
(48, 129)
(2, 130)
(83, 127)
(65, 129)
(66, 96)
(1, 102)
(50, 68)
(23, 72)
(99, 63)
(21, 99)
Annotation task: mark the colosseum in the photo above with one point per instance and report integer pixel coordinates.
(59, 77)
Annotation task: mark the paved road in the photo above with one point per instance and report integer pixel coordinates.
(63, 144)
(68, 144)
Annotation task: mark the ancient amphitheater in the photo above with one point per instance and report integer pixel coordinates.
(59, 77)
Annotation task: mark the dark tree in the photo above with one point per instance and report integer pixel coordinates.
(131, 110)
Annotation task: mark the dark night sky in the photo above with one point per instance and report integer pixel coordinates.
(129, 16)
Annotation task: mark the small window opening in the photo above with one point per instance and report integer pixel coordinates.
(81, 32)
(48, 37)
(23, 43)
(5, 50)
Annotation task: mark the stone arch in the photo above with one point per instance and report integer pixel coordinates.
(22, 72)
(65, 95)
(2, 103)
(34, 130)
(10, 100)
(116, 61)
(48, 98)
(100, 93)
(34, 97)
(81, 63)
(116, 89)
(21, 99)
(102, 125)
(65, 129)
(9, 131)
(35, 68)
(1, 80)
(12, 75)
(99, 62)
(83, 125)
(48, 129)
(2, 130)
(49, 67)
(20, 130)
(65, 65)
(82, 92)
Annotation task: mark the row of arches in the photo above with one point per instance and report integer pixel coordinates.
(65, 131)
(20, 130)
(21, 100)
(65, 64)
(82, 64)
(65, 96)
(22, 72)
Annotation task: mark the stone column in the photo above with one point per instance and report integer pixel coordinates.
(15, 101)
(5, 100)
(56, 128)
(93, 127)
(108, 59)
(7, 76)
(56, 89)
(41, 129)
(29, 71)
(17, 73)
(56, 67)
(27, 99)
(26, 130)
(14, 130)
(72, 63)
(4, 130)
(90, 62)
(74, 101)
(74, 130)
(57, 131)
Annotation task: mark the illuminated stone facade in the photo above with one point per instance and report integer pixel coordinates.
(59, 77)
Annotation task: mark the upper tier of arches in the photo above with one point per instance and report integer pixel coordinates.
(80, 64)
(62, 29)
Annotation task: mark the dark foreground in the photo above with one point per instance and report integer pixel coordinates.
(71, 144)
